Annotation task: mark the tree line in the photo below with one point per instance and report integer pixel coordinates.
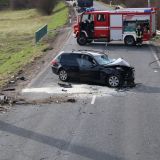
(44, 6)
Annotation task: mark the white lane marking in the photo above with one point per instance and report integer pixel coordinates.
(93, 99)
(155, 56)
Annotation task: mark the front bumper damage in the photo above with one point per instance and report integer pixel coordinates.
(129, 78)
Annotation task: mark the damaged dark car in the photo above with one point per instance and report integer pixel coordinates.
(93, 66)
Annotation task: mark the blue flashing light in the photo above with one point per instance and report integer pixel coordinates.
(89, 9)
(148, 10)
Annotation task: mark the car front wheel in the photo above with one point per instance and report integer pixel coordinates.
(63, 75)
(114, 81)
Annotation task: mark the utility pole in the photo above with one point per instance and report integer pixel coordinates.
(149, 3)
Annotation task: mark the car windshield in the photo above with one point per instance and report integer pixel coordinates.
(103, 59)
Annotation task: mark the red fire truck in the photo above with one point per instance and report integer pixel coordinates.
(116, 25)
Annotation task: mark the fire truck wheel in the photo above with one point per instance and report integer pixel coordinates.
(89, 41)
(82, 40)
(129, 41)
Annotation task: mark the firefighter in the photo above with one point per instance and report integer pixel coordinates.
(139, 35)
(89, 26)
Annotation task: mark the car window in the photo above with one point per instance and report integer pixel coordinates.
(58, 58)
(85, 61)
(69, 59)
(103, 59)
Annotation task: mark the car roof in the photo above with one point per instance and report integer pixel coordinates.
(85, 52)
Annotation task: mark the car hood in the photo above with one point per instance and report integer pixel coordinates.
(119, 62)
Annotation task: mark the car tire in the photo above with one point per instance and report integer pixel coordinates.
(63, 75)
(129, 41)
(114, 80)
(82, 40)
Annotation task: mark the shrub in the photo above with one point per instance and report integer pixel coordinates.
(46, 6)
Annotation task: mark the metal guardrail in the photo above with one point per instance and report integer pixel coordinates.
(41, 33)
(158, 32)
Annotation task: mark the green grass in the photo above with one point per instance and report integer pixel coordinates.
(17, 28)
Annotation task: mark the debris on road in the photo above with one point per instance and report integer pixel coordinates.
(9, 101)
(21, 78)
(2, 109)
(9, 89)
(50, 100)
(64, 90)
(126, 87)
(11, 82)
(65, 85)
(71, 100)
(14, 79)
(3, 99)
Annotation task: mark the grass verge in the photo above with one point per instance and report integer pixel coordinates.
(17, 28)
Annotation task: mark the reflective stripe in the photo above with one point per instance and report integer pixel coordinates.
(101, 28)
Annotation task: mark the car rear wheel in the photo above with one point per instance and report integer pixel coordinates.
(114, 81)
(129, 41)
(82, 40)
(63, 75)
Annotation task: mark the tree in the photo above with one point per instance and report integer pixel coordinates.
(20, 4)
(46, 6)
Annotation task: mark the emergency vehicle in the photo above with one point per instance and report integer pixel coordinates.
(116, 25)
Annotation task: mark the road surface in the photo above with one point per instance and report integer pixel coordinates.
(104, 124)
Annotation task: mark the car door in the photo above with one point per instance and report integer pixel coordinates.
(88, 68)
(70, 64)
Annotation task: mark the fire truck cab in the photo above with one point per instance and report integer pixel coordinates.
(117, 25)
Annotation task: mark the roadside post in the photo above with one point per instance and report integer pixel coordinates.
(149, 3)
(39, 34)
(110, 2)
(70, 19)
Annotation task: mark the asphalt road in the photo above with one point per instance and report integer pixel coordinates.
(104, 124)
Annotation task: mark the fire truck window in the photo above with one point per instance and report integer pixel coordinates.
(90, 17)
(129, 26)
(101, 17)
(87, 17)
